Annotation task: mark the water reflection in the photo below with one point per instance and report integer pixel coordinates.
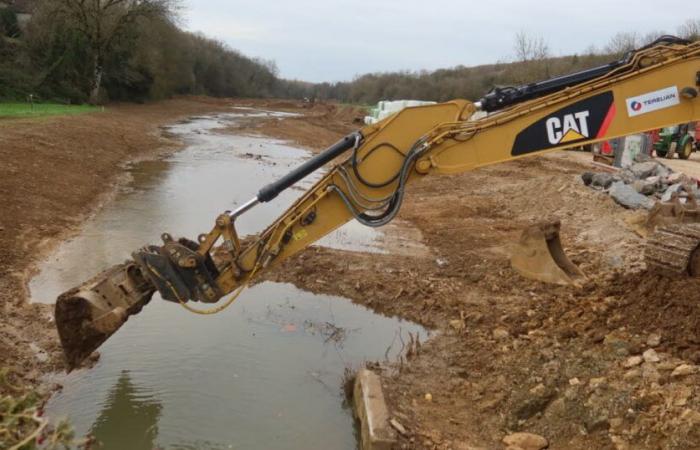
(138, 413)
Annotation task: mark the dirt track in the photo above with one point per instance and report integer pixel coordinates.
(511, 354)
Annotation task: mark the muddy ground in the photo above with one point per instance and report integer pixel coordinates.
(517, 355)
(510, 354)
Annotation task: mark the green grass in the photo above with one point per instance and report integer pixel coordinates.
(43, 109)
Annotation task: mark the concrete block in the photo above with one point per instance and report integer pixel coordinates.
(371, 410)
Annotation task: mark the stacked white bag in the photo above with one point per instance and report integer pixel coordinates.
(385, 108)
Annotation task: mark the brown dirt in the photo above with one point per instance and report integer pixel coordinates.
(55, 171)
(513, 354)
(510, 354)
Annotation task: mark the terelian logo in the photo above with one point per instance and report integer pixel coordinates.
(571, 127)
(636, 106)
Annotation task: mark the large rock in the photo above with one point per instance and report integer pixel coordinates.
(587, 178)
(627, 176)
(628, 197)
(663, 171)
(376, 432)
(602, 180)
(646, 187)
(526, 441)
(649, 168)
(673, 189)
(644, 169)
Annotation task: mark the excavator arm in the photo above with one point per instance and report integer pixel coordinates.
(649, 88)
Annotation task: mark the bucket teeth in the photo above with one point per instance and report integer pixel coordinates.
(540, 256)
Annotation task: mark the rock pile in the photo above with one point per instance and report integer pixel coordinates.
(643, 183)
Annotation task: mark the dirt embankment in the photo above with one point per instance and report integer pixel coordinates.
(516, 355)
(55, 171)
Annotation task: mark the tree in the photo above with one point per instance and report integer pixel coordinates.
(651, 36)
(533, 54)
(530, 48)
(622, 43)
(690, 30)
(8, 23)
(103, 22)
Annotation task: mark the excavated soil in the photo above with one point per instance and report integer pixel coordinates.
(509, 354)
(518, 355)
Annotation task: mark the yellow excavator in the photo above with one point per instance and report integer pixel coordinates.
(649, 88)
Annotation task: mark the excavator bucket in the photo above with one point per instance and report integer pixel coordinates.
(89, 314)
(539, 256)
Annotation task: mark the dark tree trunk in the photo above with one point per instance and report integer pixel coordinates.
(96, 84)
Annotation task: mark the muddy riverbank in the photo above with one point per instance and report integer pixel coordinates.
(287, 349)
(56, 171)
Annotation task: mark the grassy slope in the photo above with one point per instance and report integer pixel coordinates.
(42, 109)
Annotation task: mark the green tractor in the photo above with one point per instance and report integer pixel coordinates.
(678, 139)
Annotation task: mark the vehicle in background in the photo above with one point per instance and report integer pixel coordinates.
(678, 139)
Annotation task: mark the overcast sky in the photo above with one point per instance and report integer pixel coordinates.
(332, 40)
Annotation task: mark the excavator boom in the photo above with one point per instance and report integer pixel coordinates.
(650, 88)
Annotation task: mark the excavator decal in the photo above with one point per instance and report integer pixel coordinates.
(653, 101)
(576, 122)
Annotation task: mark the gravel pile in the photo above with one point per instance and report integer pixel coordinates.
(643, 183)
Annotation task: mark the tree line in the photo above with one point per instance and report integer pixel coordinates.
(532, 61)
(133, 50)
(97, 50)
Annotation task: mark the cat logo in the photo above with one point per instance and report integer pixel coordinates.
(572, 127)
(583, 120)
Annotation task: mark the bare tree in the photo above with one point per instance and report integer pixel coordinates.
(532, 54)
(690, 29)
(530, 48)
(591, 50)
(622, 43)
(102, 22)
(651, 36)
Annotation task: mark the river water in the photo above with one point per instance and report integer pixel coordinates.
(264, 374)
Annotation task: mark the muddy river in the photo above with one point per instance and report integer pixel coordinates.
(264, 374)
